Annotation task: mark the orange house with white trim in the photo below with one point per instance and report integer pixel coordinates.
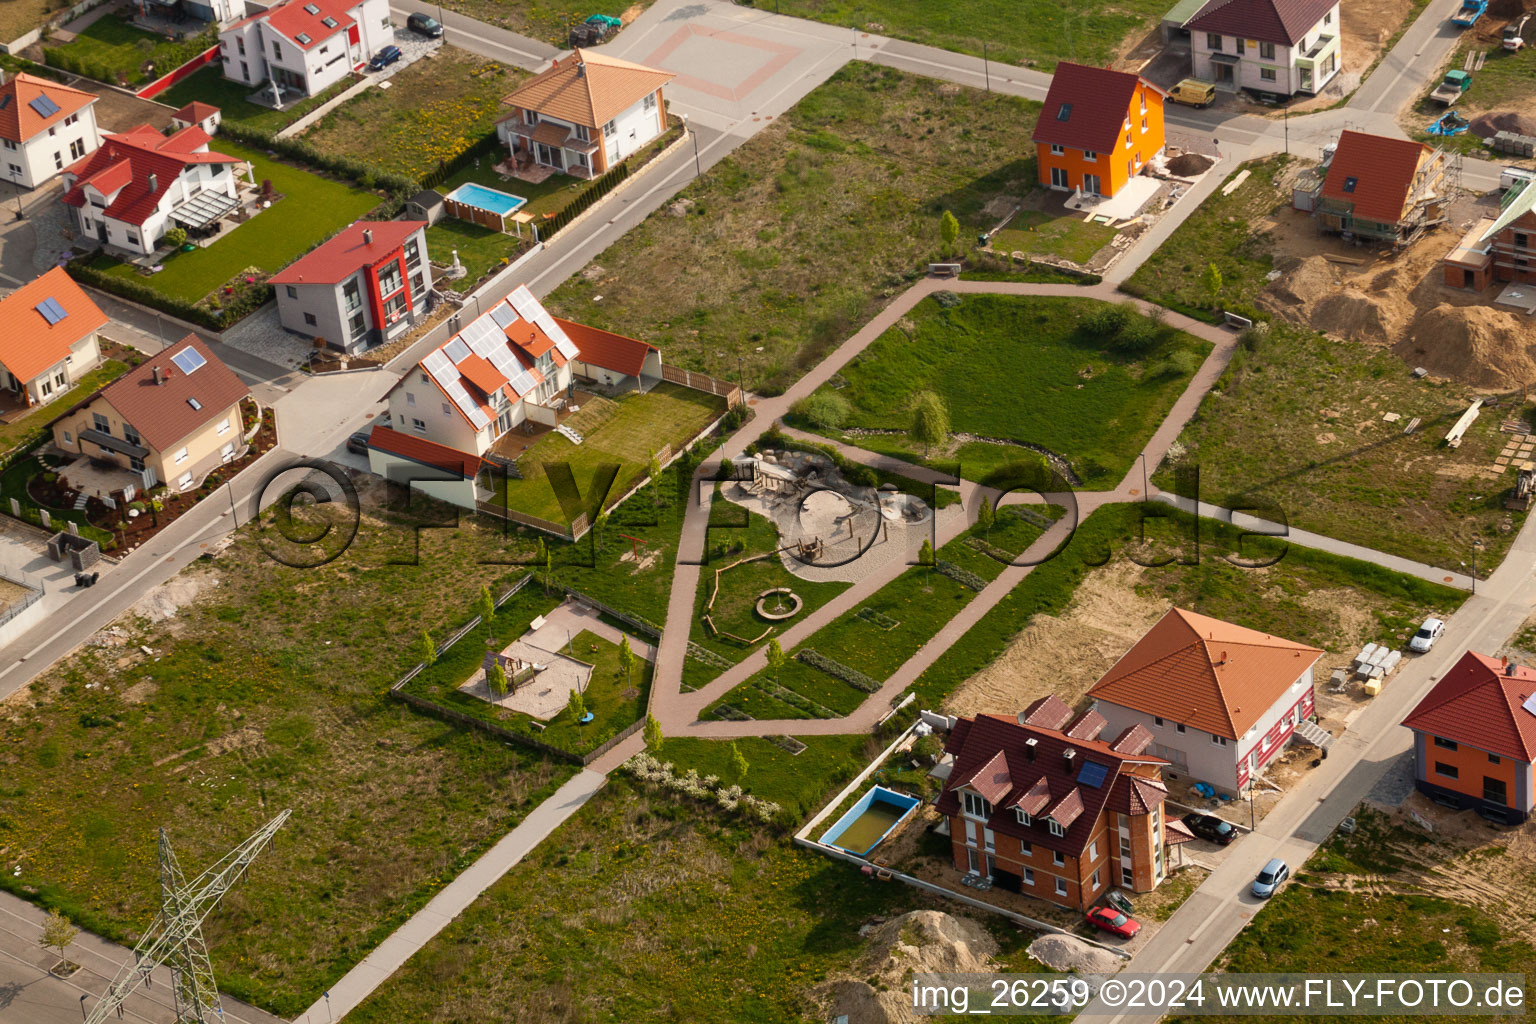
(1098, 129)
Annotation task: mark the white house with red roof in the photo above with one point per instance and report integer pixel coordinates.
(363, 287)
(48, 337)
(140, 183)
(1273, 46)
(44, 127)
(305, 46)
(204, 115)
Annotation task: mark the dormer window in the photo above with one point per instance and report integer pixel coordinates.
(975, 805)
(1055, 827)
(1064, 112)
(1022, 815)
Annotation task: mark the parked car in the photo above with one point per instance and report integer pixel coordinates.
(1509, 177)
(358, 443)
(384, 58)
(1111, 920)
(1193, 92)
(424, 25)
(1425, 638)
(1270, 879)
(1208, 826)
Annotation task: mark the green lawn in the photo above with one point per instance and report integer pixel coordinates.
(1045, 234)
(1028, 32)
(209, 85)
(798, 783)
(13, 484)
(112, 50)
(267, 691)
(312, 210)
(1219, 232)
(803, 233)
(637, 428)
(1299, 422)
(1022, 369)
(549, 20)
(480, 249)
(23, 431)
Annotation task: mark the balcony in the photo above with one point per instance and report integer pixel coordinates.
(1319, 47)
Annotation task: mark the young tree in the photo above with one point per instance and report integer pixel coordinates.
(949, 231)
(486, 606)
(599, 528)
(985, 517)
(496, 678)
(776, 658)
(925, 556)
(426, 649)
(653, 469)
(58, 933)
(727, 470)
(739, 765)
(930, 420)
(625, 654)
(1212, 282)
(653, 735)
(578, 704)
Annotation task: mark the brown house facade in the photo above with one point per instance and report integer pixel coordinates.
(1047, 808)
(1501, 249)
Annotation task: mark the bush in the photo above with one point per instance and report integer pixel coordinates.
(826, 410)
(176, 236)
(1106, 322)
(1180, 364)
(1138, 335)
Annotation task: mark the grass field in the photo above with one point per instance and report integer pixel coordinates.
(433, 110)
(209, 85)
(810, 227)
(265, 692)
(1044, 234)
(636, 429)
(111, 50)
(1298, 422)
(1028, 32)
(549, 20)
(1217, 232)
(19, 17)
(1093, 406)
(312, 210)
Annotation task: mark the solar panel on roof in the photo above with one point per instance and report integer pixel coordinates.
(479, 333)
(1092, 774)
(456, 350)
(44, 106)
(526, 305)
(505, 362)
(466, 404)
(51, 310)
(562, 340)
(189, 360)
(522, 383)
(504, 315)
(440, 368)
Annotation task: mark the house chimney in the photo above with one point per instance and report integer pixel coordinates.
(1223, 660)
(1029, 748)
(367, 236)
(1509, 669)
(154, 182)
(581, 69)
(156, 372)
(1068, 758)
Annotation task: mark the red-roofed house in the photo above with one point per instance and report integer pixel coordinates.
(1048, 807)
(1274, 46)
(1097, 130)
(1474, 738)
(361, 288)
(1220, 701)
(1381, 188)
(203, 115)
(305, 46)
(48, 337)
(44, 127)
(513, 364)
(172, 419)
(140, 183)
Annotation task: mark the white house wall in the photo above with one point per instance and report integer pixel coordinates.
(435, 483)
(39, 157)
(633, 129)
(1247, 71)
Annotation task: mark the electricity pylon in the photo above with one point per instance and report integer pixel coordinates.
(175, 938)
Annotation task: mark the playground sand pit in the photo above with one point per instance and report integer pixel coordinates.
(546, 694)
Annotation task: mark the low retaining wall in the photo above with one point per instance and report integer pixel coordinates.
(304, 123)
(192, 66)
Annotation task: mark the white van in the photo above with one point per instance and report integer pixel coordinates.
(1512, 176)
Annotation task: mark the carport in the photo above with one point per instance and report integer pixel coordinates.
(1175, 20)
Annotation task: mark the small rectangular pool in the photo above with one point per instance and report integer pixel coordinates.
(869, 821)
(480, 204)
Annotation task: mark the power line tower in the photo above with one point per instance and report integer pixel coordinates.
(175, 938)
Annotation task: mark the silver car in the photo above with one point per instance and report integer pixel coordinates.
(1425, 638)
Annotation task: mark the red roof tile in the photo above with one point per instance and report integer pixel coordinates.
(19, 121)
(144, 152)
(1374, 173)
(29, 344)
(610, 351)
(161, 413)
(1273, 21)
(196, 111)
(347, 252)
(427, 453)
(1049, 712)
(1479, 704)
(1205, 673)
(588, 88)
(1086, 107)
(295, 18)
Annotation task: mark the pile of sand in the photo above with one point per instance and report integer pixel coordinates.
(1312, 293)
(923, 941)
(1189, 164)
(1483, 346)
(1068, 953)
(1486, 126)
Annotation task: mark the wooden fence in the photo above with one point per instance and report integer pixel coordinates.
(702, 382)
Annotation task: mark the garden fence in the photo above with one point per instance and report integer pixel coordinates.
(34, 594)
(702, 382)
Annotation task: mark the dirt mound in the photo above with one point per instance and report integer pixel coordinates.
(1067, 953)
(1486, 126)
(1312, 292)
(922, 941)
(1482, 346)
(1189, 164)
(1353, 314)
(1301, 283)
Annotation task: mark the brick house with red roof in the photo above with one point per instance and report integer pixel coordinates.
(44, 127)
(1281, 47)
(1097, 130)
(1380, 188)
(48, 337)
(1048, 807)
(1474, 738)
(305, 46)
(140, 183)
(172, 419)
(365, 286)
(1219, 701)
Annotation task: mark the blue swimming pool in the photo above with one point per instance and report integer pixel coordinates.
(869, 821)
(483, 198)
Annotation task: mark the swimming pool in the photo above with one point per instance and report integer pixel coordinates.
(484, 198)
(869, 821)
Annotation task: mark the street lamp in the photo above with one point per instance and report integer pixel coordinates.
(1143, 457)
(698, 170)
(82, 1007)
(16, 180)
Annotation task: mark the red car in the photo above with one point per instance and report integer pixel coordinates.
(1111, 920)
